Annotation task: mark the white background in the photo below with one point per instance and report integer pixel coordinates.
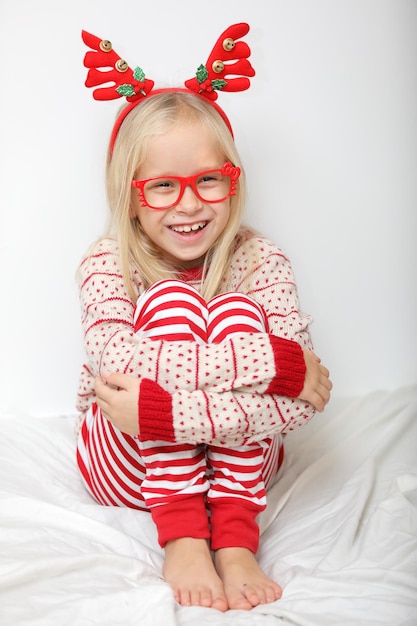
(328, 134)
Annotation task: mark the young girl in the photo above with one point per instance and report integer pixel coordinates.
(198, 319)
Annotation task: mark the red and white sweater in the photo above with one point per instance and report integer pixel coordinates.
(241, 390)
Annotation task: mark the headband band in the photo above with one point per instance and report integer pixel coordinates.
(227, 69)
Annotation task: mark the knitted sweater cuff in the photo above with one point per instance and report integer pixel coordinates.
(155, 412)
(290, 368)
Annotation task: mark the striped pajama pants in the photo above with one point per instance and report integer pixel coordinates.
(204, 491)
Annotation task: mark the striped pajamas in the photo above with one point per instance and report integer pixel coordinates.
(181, 483)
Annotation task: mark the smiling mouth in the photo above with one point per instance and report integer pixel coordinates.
(192, 228)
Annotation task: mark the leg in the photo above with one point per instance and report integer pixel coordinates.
(176, 483)
(237, 495)
(111, 466)
(238, 480)
(110, 462)
(245, 583)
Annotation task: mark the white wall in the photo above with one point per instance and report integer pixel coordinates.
(328, 132)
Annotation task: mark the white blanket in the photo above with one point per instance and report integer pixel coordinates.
(339, 534)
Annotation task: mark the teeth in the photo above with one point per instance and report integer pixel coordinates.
(188, 229)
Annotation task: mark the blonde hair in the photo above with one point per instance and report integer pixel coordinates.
(138, 253)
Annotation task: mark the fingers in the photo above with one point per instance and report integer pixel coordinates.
(104, 396)
(319, 401)
(325, 372)
(101, 390)
(109, 382)
(116, 379)
(323, 393)
(318, 386)
(99, 387)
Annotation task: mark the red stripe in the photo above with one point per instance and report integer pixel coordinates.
(124, 472)
(224, 490)
(173, 321)
(146, 316)
(102, 477)
(237, 328)
(114, 444)
(98, 302)
(213, 432)
(94, 274)
(105, 320)
(98, 477)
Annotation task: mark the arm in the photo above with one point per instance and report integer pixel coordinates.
(259, 362)
(143, 407)
(249, 418)
(264, 272)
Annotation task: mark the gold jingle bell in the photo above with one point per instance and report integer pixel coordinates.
(105, 45)
(228, 44)
(121, 66)
(218, 66)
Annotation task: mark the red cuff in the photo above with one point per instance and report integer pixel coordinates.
(290, 368)
(155, 412)
(234, 525)
(181, 518)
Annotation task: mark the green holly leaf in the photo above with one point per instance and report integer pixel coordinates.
(202, 74)
(126, 90)
(218, 83)
(139, 74)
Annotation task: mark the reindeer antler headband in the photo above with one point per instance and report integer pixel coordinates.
(227, 69)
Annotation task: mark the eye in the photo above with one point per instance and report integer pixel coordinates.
(164, 183)
(213, 177)
(161, 184)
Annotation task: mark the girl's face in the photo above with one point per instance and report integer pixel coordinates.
(185, 232)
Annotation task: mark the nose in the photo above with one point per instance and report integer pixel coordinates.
(189, 201)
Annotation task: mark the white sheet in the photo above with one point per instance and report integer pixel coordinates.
(340, 532)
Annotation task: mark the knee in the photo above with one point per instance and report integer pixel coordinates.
(171, 308)
(234, 312)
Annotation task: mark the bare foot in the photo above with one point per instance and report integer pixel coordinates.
(190, 571)
(245, 584)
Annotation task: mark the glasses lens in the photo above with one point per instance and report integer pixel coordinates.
(161, 193)
(213, 186)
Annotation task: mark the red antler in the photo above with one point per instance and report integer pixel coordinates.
(228, 59)
(212, 76)
(129, 83)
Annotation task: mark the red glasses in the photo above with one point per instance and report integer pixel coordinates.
(210, 186)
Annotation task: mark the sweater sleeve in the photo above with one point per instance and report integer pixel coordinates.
(264, 272)
(255, 362)
(227, 418)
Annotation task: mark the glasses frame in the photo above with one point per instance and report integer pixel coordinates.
(228, 169)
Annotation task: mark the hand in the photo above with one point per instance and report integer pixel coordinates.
(117, 396)
(317, 385)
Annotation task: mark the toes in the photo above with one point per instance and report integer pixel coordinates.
(183, 598)
(239, 602)
(262, 595)
(201, 597)
(204, 598)
(255, 595)
(272, 592)
(220, 603)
